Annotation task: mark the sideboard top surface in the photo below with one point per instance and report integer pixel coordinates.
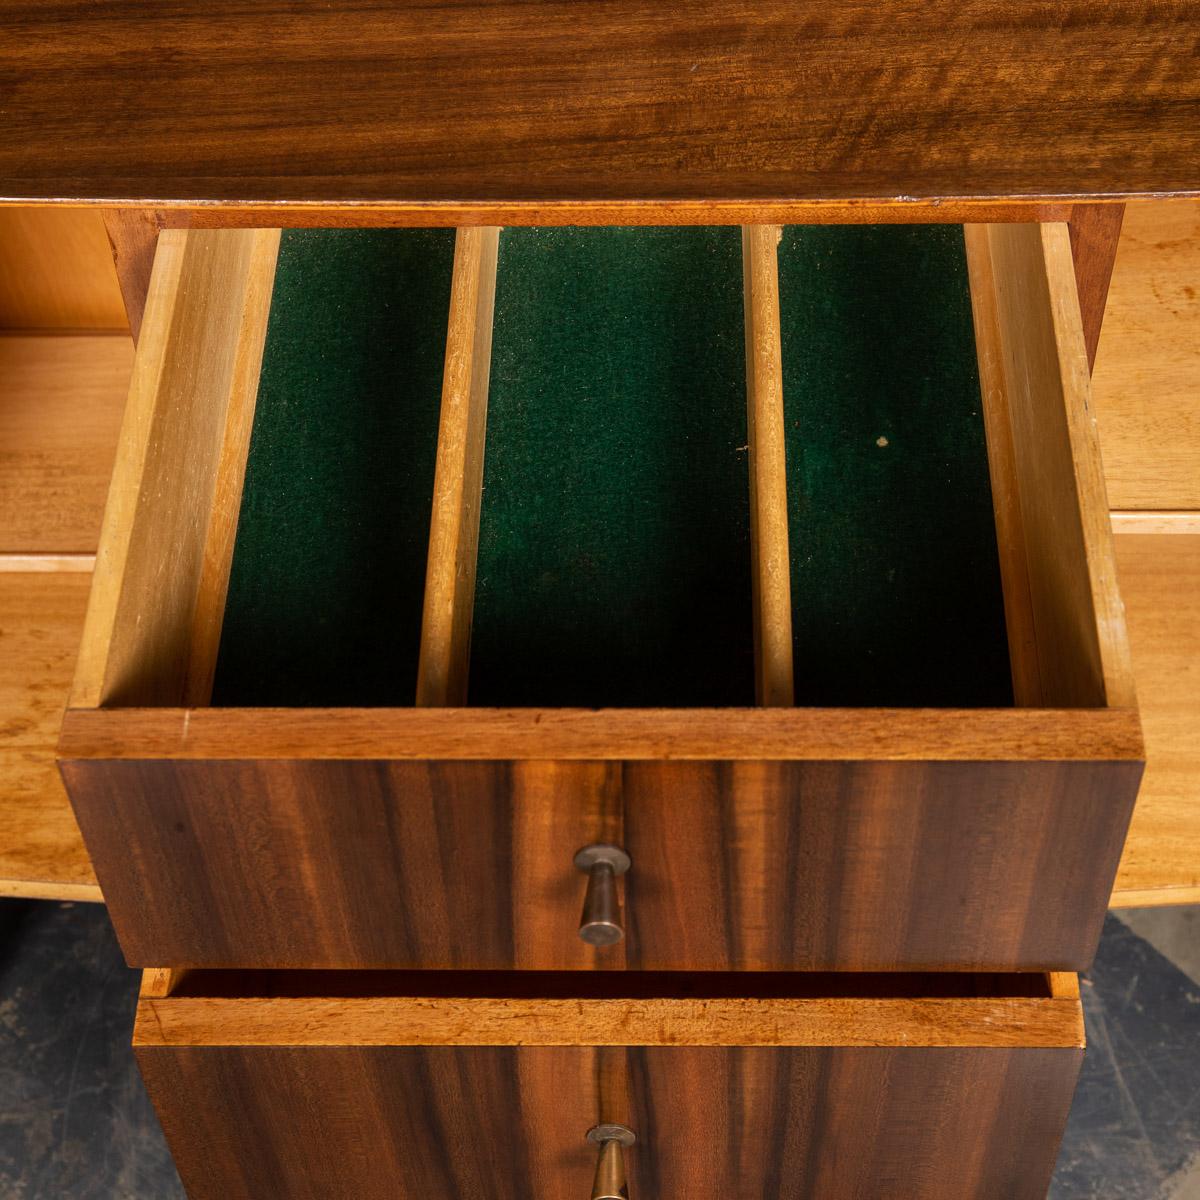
(409, 102)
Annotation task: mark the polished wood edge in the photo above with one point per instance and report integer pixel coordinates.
(1144, 521)
(963, 735)
(471, 1021)
(41, 564)
(445, 647)
(769, 556)
(1095, 231)
(198, 214)
(51, 889)
(1157, 897)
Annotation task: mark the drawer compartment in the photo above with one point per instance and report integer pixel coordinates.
(785, 568)
(345, 1084)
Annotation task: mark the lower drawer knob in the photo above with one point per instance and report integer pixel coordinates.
(610, 1183)
(600, 924)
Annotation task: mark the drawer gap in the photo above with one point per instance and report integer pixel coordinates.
(604, 985)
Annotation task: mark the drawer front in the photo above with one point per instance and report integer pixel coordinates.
(490, 1124)
(746, 865)
(922, 1121)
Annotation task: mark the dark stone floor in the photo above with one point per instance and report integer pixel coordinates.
(1134, 1132)
(75, 1123)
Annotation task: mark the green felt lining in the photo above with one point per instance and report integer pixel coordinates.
(896, 591)
(614, 554)
(328, 576)
(614, 559)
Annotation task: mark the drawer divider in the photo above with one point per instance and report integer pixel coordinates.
(770, 562)
(458, 480)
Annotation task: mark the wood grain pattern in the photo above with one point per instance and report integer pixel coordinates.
(770, 562)
(749, 865)
(1160, 579)
(1061, 598)
(204, 1014)
(467, 865)
(574, 734)
(758, 100)
(1147, 378)
(1014, 561)
(205, 322)
(853, 866)
(509, 1122)
(133, 238)
(899, 210)
(60, 405)
(1095, 232)
(41, 849)
(235, 398)
(458, 480)
(60, 412)
(56, 273)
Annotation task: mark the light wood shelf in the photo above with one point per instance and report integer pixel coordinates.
(1160, 581)
(61, 399)
(1146, 383)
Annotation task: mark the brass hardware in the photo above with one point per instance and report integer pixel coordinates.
(600, 924)
(610, 1182)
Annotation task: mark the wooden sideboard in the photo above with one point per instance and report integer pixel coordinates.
(841, 832)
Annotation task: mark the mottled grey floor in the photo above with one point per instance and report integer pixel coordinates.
(75, 1123)
(1134, 1132)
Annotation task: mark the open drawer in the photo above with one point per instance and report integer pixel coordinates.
(386, 1084)
(394, 616)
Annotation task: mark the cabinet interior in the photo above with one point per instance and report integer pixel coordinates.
(614, 559)
(665, 467)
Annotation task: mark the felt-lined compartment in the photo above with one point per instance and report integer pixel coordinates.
(614, 540)
(614, 545)
(895, 573)
(328, 574)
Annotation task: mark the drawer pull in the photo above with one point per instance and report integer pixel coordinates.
(600, 924)
(609, 1183)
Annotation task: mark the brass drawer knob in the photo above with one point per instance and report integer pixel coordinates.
(610, 1183)
(600, 924)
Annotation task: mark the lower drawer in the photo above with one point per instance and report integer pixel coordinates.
(440, 1085)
